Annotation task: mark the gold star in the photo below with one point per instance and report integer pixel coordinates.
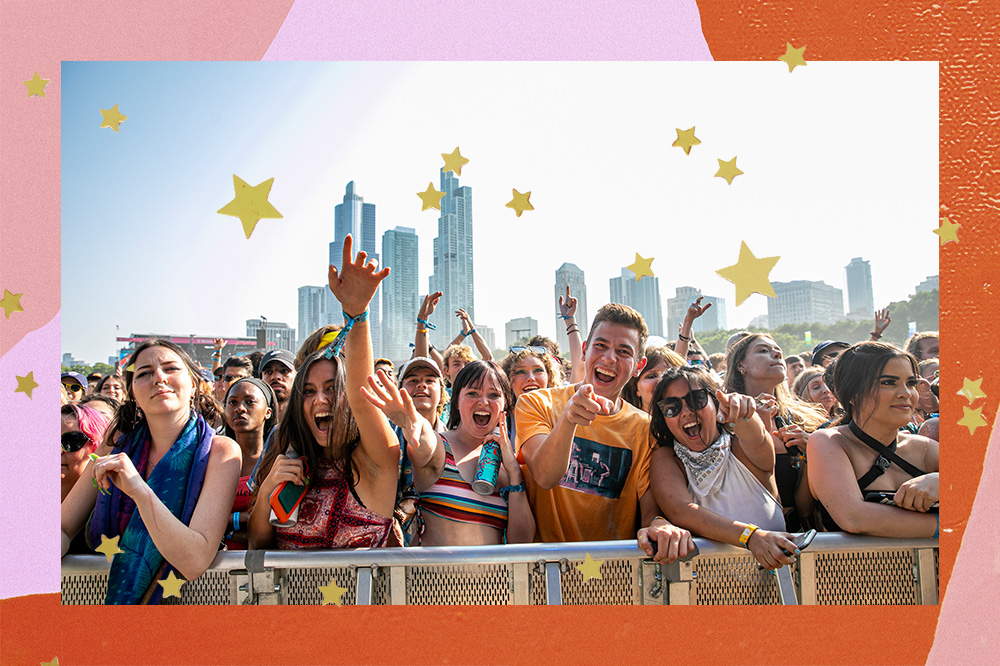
(172, 586)
(26, 384)
(520, 202)
(332, 592)
(749, 274)
(454, 162)
(641, 267)
(948, 231)
(36, 85)
(431, 198)
(112, 118)
(11, 303)
(972, 419)
(972, 390)
(590, 568)
(685, 139)
(793, 57)
(250, 204)
(728, 170)
(54, 662)
(109, 547)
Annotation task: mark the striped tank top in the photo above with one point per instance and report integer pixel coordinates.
(452, 498)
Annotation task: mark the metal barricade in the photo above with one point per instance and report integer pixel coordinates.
(836, 569)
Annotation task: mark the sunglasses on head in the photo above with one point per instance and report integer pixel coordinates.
(74, 441)
(537, 350)
(696, 399)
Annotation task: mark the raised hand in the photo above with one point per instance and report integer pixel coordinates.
(427, 307)
(696, 310)
(567, 307)
(882, 321)
(218, 343)
(355, 283)
(395, 404)
(466, 320)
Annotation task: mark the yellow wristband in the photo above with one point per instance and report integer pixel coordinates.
(747, 533)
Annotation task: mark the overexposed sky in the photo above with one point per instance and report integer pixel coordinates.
(840, 161)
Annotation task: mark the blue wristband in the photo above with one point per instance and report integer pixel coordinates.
(426, 323)
(349, 322)
(507, 490)
(236, 520)
(938, 528)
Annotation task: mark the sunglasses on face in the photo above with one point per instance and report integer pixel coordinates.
(537, 350)
(73, 388)
(74, 441)
(696, 399)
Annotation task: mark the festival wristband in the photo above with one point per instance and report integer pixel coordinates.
(562, 316)
(506, 490)
(236, 521)
(747, 533)
(938, 528)
(426, 323)
(349, 322)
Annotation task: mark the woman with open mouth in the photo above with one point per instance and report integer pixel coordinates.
(712, 467)
(755, 367)
(869, 476)
(452, 513)
(333, 447)
(251, 410)
(166, 480)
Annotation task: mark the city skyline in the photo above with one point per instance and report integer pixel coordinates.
(148, 195)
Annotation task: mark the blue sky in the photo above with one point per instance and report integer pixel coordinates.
(840, 160)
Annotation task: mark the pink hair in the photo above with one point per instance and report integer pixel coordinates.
(92, 422)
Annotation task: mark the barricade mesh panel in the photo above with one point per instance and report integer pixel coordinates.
(484, 584)
(866, 578)
(618, 585)
(211, 588)
(536, 585)
(302, 585)
(84, 589)
(733, 579)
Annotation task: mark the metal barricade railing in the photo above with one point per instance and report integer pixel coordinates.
(835, 569)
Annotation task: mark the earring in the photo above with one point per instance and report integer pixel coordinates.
(138, 416)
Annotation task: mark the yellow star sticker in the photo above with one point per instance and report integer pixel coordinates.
(332, 592)
(728, 170)
(948, 231)
(520, 202)
(749, 274)
(454, 162)
(54, 662)
(36, 85)
(172, 586)
(251, 204)
(972, 419)
(109, 547)
(972, 390)
(112, 118)
(793, 57)
(26, 384)
(685, 139)
(430, 198)
(641, 267)
(590, 568)
(11, 303)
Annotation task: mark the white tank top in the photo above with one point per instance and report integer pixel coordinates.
(717, 480)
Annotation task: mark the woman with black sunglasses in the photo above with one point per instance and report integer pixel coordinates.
(82, 431)
(712, 468)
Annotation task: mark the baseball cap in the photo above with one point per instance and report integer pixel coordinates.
(77, 377)
(820, 349)
(415, 363)
(282, 355)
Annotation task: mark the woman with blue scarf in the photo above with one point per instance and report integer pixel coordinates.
(163, 481)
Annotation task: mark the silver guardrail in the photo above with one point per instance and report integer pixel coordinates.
(836, 569)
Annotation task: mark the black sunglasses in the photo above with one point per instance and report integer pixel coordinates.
(74, 441)
(696, 399)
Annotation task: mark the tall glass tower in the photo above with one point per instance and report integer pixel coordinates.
(357, 218)
(401, 293)
(453, 274)
(859, 287)
(643, 296)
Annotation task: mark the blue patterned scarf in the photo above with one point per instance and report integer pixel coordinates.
(176, 481)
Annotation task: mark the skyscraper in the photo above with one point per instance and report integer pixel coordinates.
(400, 293)
(643, 295)
(571, 275)
(714, 318)
(453, 265)
(312, 309)
(859, 287)
(520, 330)
(804, 302)
(357, 218)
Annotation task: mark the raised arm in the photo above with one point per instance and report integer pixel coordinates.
(217, 345)
(468, 328)
(834, 483)
(882, 321)
(684, 335)
(421, 346)
(567, 311)
(426, 452)
(354, 286)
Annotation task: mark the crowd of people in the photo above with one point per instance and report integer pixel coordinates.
(332, 448)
